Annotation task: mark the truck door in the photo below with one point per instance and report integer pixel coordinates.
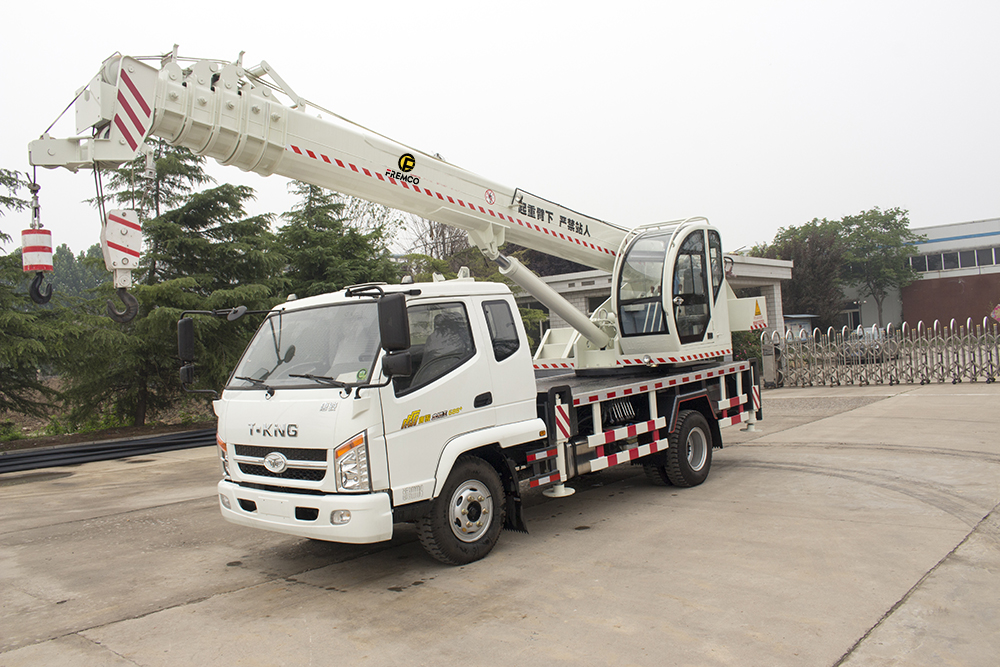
(442, 398)
(691, 290)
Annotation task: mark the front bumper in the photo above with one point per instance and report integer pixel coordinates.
(307, 515)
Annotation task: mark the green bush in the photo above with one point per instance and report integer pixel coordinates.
(9, 431)
(746, 345)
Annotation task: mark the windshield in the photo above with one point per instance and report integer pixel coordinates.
(338, 342)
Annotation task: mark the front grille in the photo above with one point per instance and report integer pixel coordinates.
(289, 473)
(306, 465)
(291, 453)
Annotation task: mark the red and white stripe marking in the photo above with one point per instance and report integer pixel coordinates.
(133, 114)
(755, 391)
(119, 220)
(624, 432)
(562, 421)
(542, 455)
(633, 361)
(758, 325)
(544, 479)
(730, 403)
(36, 250)
(632, 454)
(554, 366)
(305, 152)
(644, 387)
(737, 418)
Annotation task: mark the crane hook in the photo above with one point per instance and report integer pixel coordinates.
(131, 307)
(35, 291)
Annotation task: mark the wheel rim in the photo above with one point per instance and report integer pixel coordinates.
(471, 510)
(697, 449)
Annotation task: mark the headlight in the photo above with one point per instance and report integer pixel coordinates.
(222, 456)
(350, 462)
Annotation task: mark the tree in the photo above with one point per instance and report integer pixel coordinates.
(324, 254)
(176, 172)
(878, 248)
(542, 263)
(202, 253)
(131, 369)
(77, 277)
(28, 340)
(208, 238)
(12, 182)
(817, 250)
(435, 239)
(367, 216)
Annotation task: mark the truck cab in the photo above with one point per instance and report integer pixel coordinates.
(317, 440)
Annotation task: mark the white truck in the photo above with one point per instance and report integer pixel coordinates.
(378, 404)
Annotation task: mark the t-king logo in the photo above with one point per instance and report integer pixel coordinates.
(275, 430)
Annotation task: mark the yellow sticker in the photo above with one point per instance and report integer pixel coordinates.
(757, 306)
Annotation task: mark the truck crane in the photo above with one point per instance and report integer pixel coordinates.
(378, 404)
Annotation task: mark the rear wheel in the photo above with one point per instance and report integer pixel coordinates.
(689, 457)
(465, 520)
(656, 473)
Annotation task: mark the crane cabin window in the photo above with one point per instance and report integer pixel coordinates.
(690, 289)
(640, 298)
(715, 257)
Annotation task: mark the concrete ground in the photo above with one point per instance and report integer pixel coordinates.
(858, 526)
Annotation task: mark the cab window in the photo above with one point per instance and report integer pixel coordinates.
(503, 332)
(441, 341)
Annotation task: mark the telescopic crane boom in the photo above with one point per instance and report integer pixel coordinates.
(230, 112)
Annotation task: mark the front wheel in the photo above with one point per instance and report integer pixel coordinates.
(689, 457)
(465, 520)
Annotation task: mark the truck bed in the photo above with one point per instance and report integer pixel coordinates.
(584, 384)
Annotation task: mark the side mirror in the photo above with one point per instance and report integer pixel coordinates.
(393, 323)
(397, 364)
(187, 374)
(185, 339)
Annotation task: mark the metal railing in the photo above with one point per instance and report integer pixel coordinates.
(893, 355)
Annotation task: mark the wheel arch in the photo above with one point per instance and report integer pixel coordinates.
(489, 445)
(702, 404)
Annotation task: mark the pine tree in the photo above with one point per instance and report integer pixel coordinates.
(176, 173)
(325, 254)
(29, 339)
(202, 253)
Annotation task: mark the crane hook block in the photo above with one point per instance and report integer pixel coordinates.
(121, 242)
(35, 289)
(36, 255)
(36, 250)
(131, 307)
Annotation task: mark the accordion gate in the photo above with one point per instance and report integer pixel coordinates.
(893, 355)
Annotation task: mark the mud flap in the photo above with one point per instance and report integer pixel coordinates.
(515, 508)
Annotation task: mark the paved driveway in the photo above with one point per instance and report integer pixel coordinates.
(856, 527)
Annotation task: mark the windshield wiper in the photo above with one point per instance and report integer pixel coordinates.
(257, 383)
(323, 378)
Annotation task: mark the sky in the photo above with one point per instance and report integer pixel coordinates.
(757, 115)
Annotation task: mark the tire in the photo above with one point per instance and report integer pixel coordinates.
(689, 457)
(656, 473)
(465, 521)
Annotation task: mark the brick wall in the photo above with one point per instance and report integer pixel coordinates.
(957, 298)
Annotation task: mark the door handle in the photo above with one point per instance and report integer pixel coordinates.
(483, 400)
